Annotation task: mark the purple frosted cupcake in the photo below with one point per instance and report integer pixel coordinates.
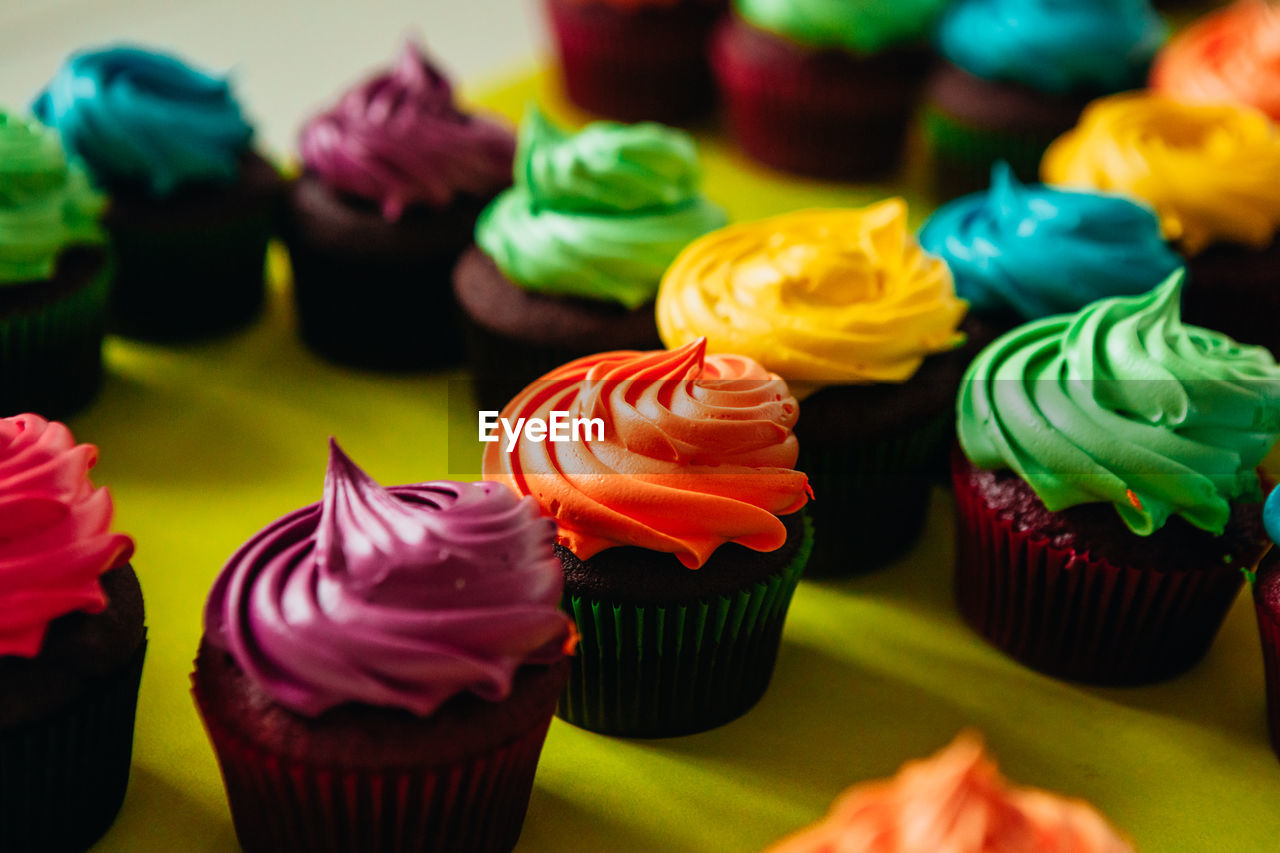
(395, 176)
(384, 664)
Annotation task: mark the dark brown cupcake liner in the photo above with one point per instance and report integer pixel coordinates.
(51, 337)
(63, 778)
(661, 671)
(281, 804)
(1069, 615)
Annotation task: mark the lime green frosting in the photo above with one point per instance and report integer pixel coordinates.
(1122, 403)
(859, 26)
(598, 214)
(46, 204)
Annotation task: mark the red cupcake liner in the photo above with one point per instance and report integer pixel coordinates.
(281, 804)
(824, 113)
(1070, 615)
(648, 63)
(1269, 633)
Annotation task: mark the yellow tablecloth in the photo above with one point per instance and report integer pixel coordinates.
(202, 445)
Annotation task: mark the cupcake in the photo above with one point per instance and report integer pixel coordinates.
(1230, 55)
(680, 534)
(1107, 497)
(1212, 173)
(191, 203)
(567, 262)
(394, 178)
(861, 322)
(1266, 603)
(996, 243)
(636, 60)
(1019, 73)
(823, 89)
(380, 669)
(956, 801)
(54, 274)
(71, 643)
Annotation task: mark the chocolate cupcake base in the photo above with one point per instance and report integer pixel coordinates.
(1266, 604)
(1235, 290)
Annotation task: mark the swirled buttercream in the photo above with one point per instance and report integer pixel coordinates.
(597, 214)
(996, 243)
(858, 26)
(138, 117)
(398, 597)
(1232, 54)
(697, 451)
(46, 204)
(955, 801)
(1090, 46)
(1209, 170)
(399, 140)
(1123, 404)
(820, 297)
(55, 537)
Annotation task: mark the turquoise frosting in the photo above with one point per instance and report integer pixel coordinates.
(1271, 515)
(135, 117)
(996, 243)
(1055, 46)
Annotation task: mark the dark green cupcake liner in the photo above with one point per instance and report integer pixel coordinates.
(51, 348)
(871, 496)
(962, 154)
(63, 779)
(660, 671)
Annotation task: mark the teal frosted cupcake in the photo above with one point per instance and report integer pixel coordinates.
(1019, 73)
(823, 88)
(567, 262)
(191, 204)
(54, 275)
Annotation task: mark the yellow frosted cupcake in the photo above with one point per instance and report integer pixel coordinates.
(846, 306)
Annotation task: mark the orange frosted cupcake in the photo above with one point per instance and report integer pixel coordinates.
(679, 531)
(957, 802)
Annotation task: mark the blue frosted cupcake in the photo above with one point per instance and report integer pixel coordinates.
(1018, 74)
(191, 204)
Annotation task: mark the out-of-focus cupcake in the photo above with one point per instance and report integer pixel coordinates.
(395, 175)
(1019, 73)
(955, 801)
(191, 204)
(680, 532)
(72, 641)
(1107, 496)
(54, 274)
(568, 261)
(1021, 252)
(824, 89)
(384, 665)
(846, 306)
(1212, 173)
(636, 60)
(1266, 604)
(1231, 55)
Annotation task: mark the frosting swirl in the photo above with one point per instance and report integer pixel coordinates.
(1057, 47)
(1232, 54)
(821, 297)
(995, 243)
(697, 451)
(398, 597)
(55, 540)
(858, 26)
(45, 203)
(1210, 171)
(1123, 404)
(138, 117)
(597, 214)
(955, 801)
(399, 139)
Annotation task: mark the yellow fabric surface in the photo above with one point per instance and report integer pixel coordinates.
(202, 445)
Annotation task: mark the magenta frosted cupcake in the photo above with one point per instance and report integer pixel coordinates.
(395, 175)
(384, 665)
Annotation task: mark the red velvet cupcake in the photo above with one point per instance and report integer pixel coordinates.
(379, 670)
(1266, 603)
(636, 60)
